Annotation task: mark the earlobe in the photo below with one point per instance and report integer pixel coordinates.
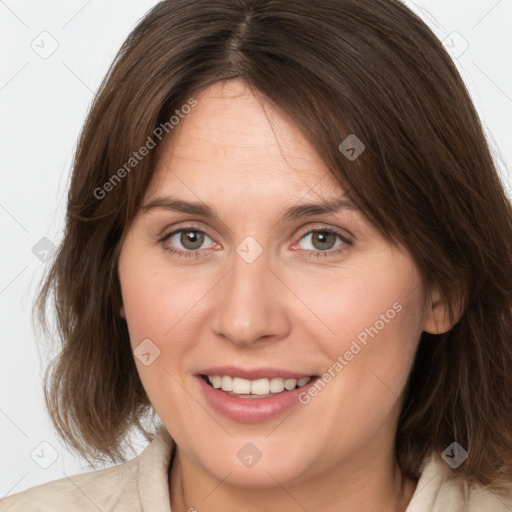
(122, 312)
(437, 317)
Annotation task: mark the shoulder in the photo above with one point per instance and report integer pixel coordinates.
(86, 491)
(438, 490)
(140, 484)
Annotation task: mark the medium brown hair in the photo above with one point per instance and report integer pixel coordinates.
(426, 180)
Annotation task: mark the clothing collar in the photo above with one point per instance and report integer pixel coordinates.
(436, 488)
(153, 473)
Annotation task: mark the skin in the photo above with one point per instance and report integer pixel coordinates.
(290, 308)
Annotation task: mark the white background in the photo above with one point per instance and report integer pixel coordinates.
(43, 103)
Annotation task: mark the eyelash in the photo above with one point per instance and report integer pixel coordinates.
(318, 254)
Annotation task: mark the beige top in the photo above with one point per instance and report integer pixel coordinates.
(141, 485)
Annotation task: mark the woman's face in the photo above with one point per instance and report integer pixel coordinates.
(217, 279)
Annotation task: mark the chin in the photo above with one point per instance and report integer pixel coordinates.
(253, 461)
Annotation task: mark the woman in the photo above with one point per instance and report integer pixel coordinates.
(287, 237)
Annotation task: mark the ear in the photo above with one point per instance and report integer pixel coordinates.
(122, 312)
(437, 318)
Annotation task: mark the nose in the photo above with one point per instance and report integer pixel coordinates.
(251, 303)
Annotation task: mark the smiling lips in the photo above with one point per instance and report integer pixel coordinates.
(273, 391)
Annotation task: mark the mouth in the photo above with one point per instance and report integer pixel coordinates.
(253, 395)
(257, 388)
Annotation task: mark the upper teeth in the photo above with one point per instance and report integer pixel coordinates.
(255, 387)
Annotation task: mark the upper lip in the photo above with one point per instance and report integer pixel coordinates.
(254, 373)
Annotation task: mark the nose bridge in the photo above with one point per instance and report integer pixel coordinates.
(250, 304)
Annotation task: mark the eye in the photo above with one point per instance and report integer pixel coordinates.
(186, 242)
(323, 240)
(190, 242)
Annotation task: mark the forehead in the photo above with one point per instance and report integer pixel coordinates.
(234, 140)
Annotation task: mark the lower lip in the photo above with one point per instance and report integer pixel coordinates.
(252, 410)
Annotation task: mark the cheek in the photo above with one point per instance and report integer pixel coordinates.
(377, 297)
(376, 325)
(165, 309)
(160, 301)
(159, 307)
(368, 324)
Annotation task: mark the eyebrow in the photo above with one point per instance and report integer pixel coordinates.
(291, 213)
